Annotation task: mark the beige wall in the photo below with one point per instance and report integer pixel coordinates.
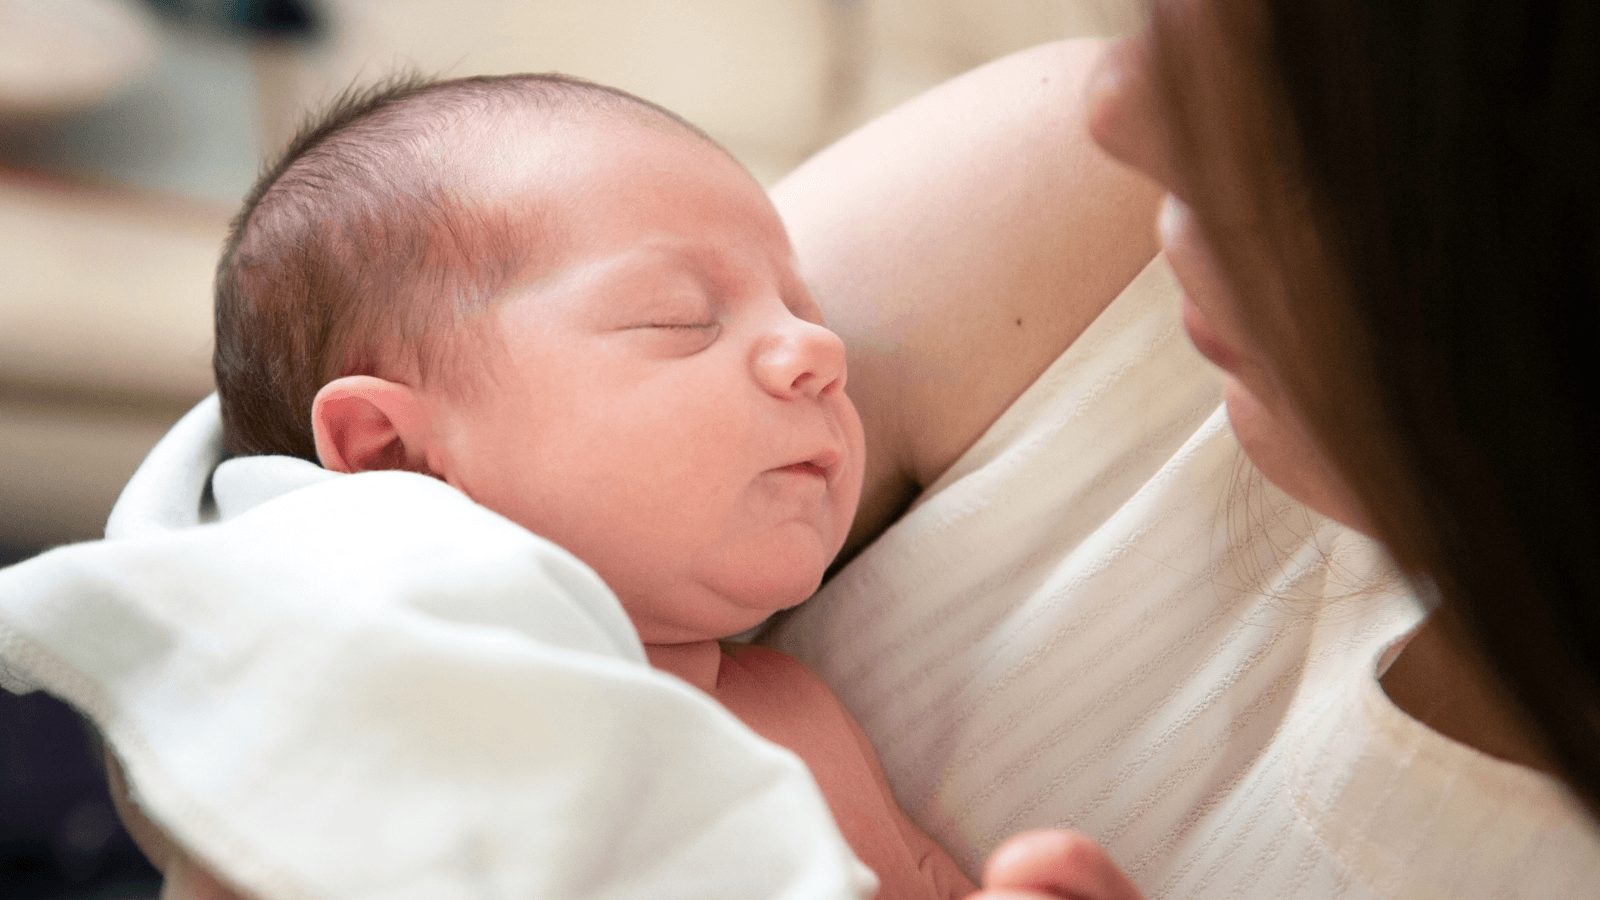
(772, 79)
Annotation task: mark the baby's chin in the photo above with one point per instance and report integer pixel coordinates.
(777, 592)
(719, 612)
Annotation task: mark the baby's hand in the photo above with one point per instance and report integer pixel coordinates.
(1041, 865)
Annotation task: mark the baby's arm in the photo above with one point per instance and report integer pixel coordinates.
(937, 867)
(182, 877)
(1034, 865)
(784, 702)
(1053, 863)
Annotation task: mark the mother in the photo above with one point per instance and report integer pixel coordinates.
(1382, 219)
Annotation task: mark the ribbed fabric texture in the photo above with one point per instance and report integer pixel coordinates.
(1103, 618)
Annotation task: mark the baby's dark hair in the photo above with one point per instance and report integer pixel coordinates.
(359, 245)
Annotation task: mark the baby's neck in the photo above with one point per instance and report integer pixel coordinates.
(697, 663)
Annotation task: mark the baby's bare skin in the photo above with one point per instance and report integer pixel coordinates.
(782, 701)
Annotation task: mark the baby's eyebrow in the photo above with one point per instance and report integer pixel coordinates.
(694, 254)
(723, 276)
(669, 261)
(660, 280)
(633, 262)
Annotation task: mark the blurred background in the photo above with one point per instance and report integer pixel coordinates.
(129, 131)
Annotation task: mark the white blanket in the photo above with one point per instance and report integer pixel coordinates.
(367, 686)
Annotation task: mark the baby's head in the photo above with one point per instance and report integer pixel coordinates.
(572, 306)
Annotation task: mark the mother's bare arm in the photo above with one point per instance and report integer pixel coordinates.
(958, 244)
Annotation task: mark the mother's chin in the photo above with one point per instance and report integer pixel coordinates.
(1289, 457)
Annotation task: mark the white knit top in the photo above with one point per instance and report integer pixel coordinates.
(1103, 618)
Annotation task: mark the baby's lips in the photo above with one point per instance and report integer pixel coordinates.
(806, 468)
(826, 459)
(821, 463)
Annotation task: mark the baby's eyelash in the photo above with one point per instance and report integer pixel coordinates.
(685, 326)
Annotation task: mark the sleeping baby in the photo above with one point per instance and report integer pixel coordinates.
(582, 313)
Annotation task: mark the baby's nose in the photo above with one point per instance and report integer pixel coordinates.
(802, 359)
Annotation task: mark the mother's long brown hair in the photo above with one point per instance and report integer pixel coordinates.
(1423, 178)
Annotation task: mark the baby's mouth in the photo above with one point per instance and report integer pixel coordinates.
(806, 468)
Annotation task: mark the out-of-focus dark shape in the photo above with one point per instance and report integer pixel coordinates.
(59, 836)
(277, 18)
(273, 19)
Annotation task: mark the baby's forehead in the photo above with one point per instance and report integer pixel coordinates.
(558, 172)
(529, 132)
(541, 189)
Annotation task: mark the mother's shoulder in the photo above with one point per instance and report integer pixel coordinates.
(958, 244)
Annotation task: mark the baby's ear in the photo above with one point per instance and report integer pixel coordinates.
(367, 424)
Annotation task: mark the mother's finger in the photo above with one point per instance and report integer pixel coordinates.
(1057, 863)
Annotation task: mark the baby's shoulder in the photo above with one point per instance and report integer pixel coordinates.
(766, 664)
(759, 678)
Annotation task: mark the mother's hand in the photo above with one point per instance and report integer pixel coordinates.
(1042, 865)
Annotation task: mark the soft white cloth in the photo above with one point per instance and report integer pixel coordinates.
(1102, 618)
(367, 686)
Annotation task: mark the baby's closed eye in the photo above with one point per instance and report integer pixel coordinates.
(687, 326)
(675, 337)
(674, 309)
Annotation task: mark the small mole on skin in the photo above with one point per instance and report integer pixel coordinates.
(1019, 323)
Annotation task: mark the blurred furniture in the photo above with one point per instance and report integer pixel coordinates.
(67, 54)
(104, 341)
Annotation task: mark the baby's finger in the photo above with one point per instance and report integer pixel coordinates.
(1058, 863)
